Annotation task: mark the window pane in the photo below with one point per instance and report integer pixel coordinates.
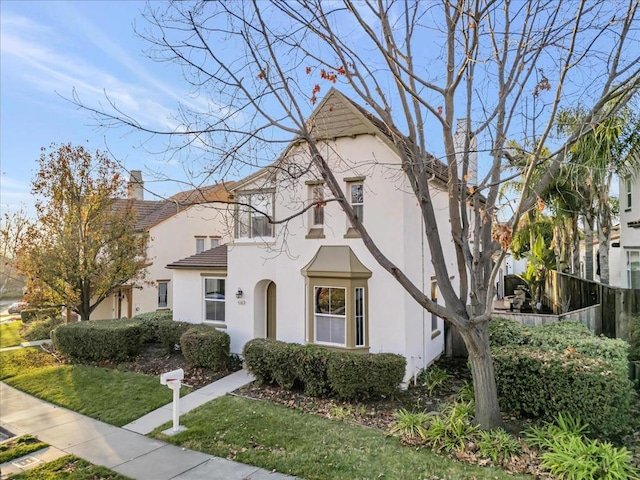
(214, 310)
(359, 317)
(162, 294)
(338, 304)
(330, 329)
(330, 300)
(215, 242)
(214, 289)
(357, 193)
(261, 226)
(244, 220)
(199, 245)
(318, 210)
(359, 211)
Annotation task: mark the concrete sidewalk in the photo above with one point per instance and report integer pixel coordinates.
(121, 450)
(151, 420)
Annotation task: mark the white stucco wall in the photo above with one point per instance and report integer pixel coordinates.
(169, 241)
(396, 322)
(629, 237)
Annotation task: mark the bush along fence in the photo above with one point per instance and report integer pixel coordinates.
(562, 368)
(324, 372)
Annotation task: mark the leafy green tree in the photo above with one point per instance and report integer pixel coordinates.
(83, 245)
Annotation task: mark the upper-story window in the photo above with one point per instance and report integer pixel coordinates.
(356, 198)
(252, 215)
(317, 196)
(628, 186)
(199, 245)
(215, 242)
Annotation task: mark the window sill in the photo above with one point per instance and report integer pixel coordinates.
(163, 309)
(216, 324)
(315, 233)
(340, 348)
(254, 241)
(352, 233)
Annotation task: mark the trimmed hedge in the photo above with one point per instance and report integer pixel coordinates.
(634, 338)
(354, 376)
(562, 368)
(40, 329)
(169, 333)
(324, 372)
(99, 339)
(205, 346)
(150, 323)
(38, 314)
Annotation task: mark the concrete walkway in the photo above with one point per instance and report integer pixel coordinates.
(121, 449)
(35, 343)
(151, 420)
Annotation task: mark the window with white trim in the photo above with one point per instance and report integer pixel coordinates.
(163, 294)
(628, 188)
(252, 215)
(356, 199)
(215, 242)
(633, 268)
(330, 315)
(199, 245)
(214, 299)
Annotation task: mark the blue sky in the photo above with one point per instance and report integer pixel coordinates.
(48, 48)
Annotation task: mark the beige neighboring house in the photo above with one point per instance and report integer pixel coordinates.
(313, 281)
(630, 231)
(187, 223)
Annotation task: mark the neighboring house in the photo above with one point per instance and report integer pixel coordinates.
(185, 224)
(313, 280)
(615, 266)
(630, 231)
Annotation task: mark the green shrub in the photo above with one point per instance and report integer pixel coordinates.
(321, 371)
(634, 338)
(272, 361)
(498, 445)
(150, 323)
(542, 383)
(38, 314)
(503, 332)
(169, 333)
(360, 376)
(311, 368)
(205, 346)
(99, 339)
(40, 329)
(452, 429)
(568, 454)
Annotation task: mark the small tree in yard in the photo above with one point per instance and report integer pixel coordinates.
(83, 245)
(420, 67)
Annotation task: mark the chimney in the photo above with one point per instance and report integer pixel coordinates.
(459, 141)
(135, 187)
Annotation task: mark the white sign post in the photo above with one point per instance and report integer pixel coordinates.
(173, 380)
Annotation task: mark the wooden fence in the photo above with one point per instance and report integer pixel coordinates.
(566, 293)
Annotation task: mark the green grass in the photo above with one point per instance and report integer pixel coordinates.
(10, 334)
(20, 446)
(112, 396)
(69, 467)
(23, 361)
(288, 441)
(108, 395)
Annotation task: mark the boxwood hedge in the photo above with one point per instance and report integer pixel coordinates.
(205, 346)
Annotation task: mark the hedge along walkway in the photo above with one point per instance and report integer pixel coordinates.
(147, 423)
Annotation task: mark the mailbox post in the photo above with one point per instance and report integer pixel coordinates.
(173, 380)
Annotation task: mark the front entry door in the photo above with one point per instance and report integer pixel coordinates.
(271, 311)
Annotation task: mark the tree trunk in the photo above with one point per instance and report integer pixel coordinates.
(588, 247)
(487, 409)
(603, 251)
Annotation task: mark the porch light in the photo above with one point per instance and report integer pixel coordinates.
(239, 293)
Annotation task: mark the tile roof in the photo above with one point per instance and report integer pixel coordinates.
(152, 212)
(215, 258)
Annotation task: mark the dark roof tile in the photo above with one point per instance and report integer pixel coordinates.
(215, 258)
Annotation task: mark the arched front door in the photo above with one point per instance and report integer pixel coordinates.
(271, 310)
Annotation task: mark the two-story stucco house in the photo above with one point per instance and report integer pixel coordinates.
(312, 280)
(187, 223)
(630, 230)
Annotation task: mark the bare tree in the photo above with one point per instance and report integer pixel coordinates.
(420, 67)
(12, 226)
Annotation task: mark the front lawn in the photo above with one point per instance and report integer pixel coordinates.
(288, 441)
(10, 334)
(69, 467)
(112, 396)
